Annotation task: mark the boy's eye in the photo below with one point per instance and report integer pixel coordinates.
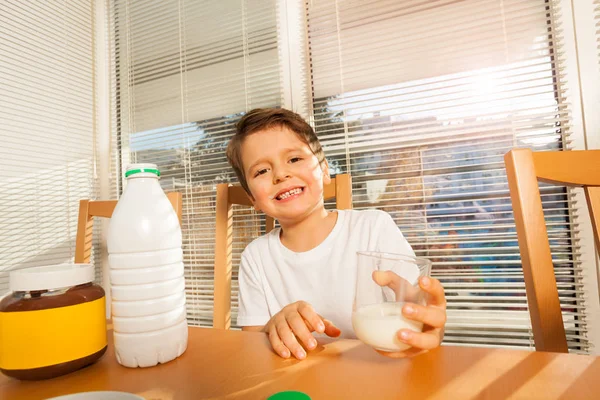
(260, 172)
(295, 159)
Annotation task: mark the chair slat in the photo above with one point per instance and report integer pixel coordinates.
(104, 209)
(524, 168)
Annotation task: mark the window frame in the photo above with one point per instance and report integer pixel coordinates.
(582, 70)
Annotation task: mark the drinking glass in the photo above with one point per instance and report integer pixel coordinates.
(377, 311)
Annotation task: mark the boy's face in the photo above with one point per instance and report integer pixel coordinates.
(284, 176)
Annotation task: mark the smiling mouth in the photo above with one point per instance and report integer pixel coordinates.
(289, 193)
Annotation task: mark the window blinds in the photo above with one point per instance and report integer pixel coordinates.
(419, 101)
(46, 129)
(597, 19)
(185, 72)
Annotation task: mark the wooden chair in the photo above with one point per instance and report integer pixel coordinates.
(524, 168)
(88, 209)
(340, 188)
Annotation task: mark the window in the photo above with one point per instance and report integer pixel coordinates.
(597, 19)
(47, 130)
(186, 71)
(419, 101)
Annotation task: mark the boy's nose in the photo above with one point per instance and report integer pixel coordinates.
(280, 175)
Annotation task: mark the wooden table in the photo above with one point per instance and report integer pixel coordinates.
(240, 365)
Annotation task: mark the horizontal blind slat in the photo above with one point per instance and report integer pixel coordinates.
(419, 101)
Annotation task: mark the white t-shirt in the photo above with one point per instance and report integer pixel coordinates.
(272, 276)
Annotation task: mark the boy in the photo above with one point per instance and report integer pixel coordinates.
(300, 278)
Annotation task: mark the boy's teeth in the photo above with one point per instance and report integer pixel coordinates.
(289, 193)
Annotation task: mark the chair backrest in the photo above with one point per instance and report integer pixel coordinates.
(340, 188)
(88, 209)
(524, 168)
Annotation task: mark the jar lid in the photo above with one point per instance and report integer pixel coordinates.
(133, 169)
(50, 277)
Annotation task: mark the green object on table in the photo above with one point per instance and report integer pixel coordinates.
(289, 395)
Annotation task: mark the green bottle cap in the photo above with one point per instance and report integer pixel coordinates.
(142, 170)
(289, 395)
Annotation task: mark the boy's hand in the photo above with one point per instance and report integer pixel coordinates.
(297, 321)
(433, 317)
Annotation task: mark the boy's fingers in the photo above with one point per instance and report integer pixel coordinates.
(400, 286)
(389, 279)
(432, 316)
(277, 344)
(289, 340)
(435, 290)
(426, 341)
(331, 330)
(309, 314)
(296, 322)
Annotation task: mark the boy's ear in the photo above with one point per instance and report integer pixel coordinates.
(326, 175)
(253, 202)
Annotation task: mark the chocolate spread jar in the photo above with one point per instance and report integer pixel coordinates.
(53, 322)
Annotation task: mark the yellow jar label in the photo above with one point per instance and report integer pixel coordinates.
(34, 339)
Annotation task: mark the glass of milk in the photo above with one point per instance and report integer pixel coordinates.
(377, 312)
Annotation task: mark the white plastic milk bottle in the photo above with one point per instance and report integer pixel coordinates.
(146, 273)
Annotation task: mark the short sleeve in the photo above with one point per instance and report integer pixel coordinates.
(390, 238)
(253, 309)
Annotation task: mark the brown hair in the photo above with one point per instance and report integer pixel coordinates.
(260, 119)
